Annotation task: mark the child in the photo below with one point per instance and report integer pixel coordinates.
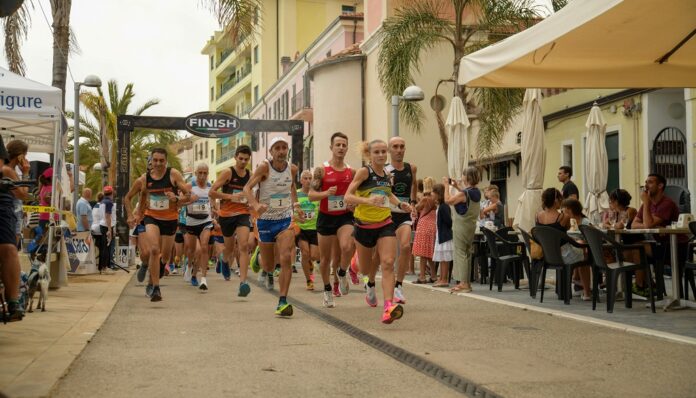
(443, 235)
(573, 209)
(424, 242)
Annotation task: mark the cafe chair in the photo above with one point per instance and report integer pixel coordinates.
(551, 239)
(598, 241)
(497, 248)
(690, 264)
(534, 264)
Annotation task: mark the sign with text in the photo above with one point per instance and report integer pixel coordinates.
(212, 124)
(80, 249)
(122, 255)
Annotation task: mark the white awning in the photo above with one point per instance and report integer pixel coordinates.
(595, 44)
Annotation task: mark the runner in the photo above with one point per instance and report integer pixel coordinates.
(138, 227)
(371, 192)
(161, 186)
(179, 247)
(277, 197)
(306, 240)
(199, 223)
(405, 188)
(234, 215)
(335, 221)
(216, 244)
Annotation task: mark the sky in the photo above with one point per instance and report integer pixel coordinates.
(154, 44)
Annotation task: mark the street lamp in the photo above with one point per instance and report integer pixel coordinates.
(90, 81)
(411, 94)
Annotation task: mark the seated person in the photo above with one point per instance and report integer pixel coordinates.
(581, 275)
(656, 211)
(494, 210)
(551, 216)
(620, 214)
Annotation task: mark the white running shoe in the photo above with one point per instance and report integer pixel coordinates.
(203, 284)
(343, 285)
(187, 274)
(371, 296)
(262, 277)
(399, 295)
(328, 300)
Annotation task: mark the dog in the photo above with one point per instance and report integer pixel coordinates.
(39, 279)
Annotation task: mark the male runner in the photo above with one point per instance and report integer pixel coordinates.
(234, 214)
(277, 198)
(405, 188)
(199, 223)
(306, 239)
(161, 185)
(335, 221)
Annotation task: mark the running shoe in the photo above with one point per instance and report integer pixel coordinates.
(236, 271)
(399, 297)
(194, 281)
(392, 313)
(353, 276)
(218, 267)
(204, 284)
(269, 281)
(294, 269)
(371, 296)
(311, 277)
(187, 273)
(226, 272)
(343, 285)
(148, 290)
(276, 271)
(336, 290)
(244, 289)
(142, 273)
(173, 271)
(310, 285)
(262, 277)
(156, 294)
(254, 260)
(328, 300)
(15, 312)
(284, 309)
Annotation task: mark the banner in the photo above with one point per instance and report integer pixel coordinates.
(121, 256)
(80, 248)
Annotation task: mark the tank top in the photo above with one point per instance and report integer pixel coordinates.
(402, 181)
(275, 192)
(159, 206)
(198, 212)
(374, 185)
(236, 183)
(335, 205)
(310, 211)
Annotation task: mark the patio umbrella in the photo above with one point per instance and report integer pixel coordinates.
(533, 160)
(596, 165)
(457, 138)
(578, 47)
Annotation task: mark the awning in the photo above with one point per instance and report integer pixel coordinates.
(595, 44)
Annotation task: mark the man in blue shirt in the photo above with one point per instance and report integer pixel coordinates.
(84, 211)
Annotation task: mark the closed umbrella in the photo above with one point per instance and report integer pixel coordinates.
(596, 166)
(533, 160)
(458, 146)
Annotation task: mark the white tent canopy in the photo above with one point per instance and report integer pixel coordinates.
(594, 44)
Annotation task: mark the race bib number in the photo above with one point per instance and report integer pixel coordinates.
(396, 208)
(159, 202)
(242, 198)
(336, 203)
(383, 196)
(202, 207)
(308, 215)
(279, 201)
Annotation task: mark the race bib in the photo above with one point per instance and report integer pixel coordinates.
(382, 195)
(336, 203)
(396, 208)
(308, 215)
(202, 207)
(279, 201)
(242, 199)
(159, 202)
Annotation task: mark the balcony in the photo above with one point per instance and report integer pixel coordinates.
(234, 80)
(239, 45)
(298, 102)
(225, 156)
(223, 56)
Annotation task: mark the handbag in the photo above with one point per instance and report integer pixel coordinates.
(535, 251)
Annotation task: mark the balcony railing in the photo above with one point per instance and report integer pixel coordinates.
(226, 53)
(225, 156)
(226, 86)
(299, 102)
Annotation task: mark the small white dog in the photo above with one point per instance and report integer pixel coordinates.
(39, 281)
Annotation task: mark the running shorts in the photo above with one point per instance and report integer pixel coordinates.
(368, 236)
(400, 219)
(329, 225)
(166, 227)
(230, 224)
(270, 229)
(307, 235)
(197, 230)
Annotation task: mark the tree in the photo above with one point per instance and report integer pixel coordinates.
(467, 26)
(60, 9)
(98, 134)
(238, 17)
(16, 27)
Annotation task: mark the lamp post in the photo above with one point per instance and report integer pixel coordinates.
(410, 94)
(90, 81)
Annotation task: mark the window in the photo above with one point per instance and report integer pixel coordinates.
(286, 100)
(212, 93)
(256, 93)
(347, 9)
(256, 54)
(567, 155)
(256, 16)
(195, 152)
(206, 149)
(612, 144)
(212, 154)
(212, 62)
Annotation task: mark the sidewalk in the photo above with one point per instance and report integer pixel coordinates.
(37, 351)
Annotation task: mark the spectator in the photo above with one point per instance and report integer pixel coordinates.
(620, 214)
(569, 190)
(45, 192)
(466, 204)
(106, 223)
(424, 241)
(17, 167)
(84, 211)
(443, 237)
(96, 220)
(494, 210)
(656, 211)
(9, 259)
(573, 208)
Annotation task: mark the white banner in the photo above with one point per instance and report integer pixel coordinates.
(81, 251)
(121, 256)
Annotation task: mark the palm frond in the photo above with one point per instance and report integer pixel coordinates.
(146, 106)
(237, 17)
(499, 108)
(16, 28)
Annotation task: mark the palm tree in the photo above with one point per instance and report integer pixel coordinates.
(98, 134)
(60, 9)
(16, 27)
(466, 25)
(238, 17)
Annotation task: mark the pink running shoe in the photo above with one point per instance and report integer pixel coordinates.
(353, 276)
(336, 290)
(392, 312)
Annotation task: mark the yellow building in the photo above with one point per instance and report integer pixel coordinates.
(241, 72)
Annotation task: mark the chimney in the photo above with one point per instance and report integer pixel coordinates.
(285, 63)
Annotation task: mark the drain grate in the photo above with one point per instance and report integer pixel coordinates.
(422, 365)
